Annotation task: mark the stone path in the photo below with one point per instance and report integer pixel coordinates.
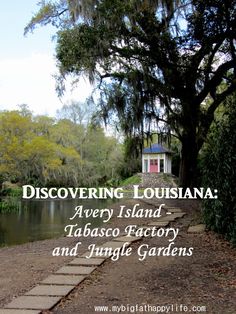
(197, 229)
(52, 289)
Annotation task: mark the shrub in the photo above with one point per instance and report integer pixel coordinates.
(219, 172)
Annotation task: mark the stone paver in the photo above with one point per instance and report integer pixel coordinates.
(87, 261)
(158, 224)
(197, 229)
(114, 244)
(174, 210)
(166, 218)
(149, 226)
(63, 280)
(178, 215)
(34, 303)
(127, 239)
(102, 255)
(9, 311)
(76, 270)
(50, 290)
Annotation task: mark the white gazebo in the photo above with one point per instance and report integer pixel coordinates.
(156, 159)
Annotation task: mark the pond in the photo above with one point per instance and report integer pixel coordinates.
(38, 220)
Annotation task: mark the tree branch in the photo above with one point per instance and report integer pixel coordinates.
(209, 116)
(212, 84)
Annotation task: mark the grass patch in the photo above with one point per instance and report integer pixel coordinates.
(9, 204)
(131, 180)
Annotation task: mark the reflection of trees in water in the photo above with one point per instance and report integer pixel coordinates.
(2, 234)
(37, 220)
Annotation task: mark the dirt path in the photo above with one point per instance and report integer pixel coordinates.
(24, 266)
(206, 279)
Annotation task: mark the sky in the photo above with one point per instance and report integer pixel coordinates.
(27, 63)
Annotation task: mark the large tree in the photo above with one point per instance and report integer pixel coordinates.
(155, 60)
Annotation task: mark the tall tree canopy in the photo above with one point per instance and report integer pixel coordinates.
(42, 151)
(154, 61)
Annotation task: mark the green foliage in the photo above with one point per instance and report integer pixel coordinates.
(155, 62)
(175, 148)
(42, 151)
(131, 180)
(219, 172)
(12, 192)
(132, 156)
(9, 204)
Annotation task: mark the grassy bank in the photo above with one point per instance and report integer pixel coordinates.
(10, 199)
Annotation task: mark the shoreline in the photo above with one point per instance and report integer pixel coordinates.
(24, 265)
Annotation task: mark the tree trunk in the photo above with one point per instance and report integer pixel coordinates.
(188, 162)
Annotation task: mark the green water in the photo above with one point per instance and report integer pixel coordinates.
(38, 220)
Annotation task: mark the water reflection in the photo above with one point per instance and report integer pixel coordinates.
(38, 220)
